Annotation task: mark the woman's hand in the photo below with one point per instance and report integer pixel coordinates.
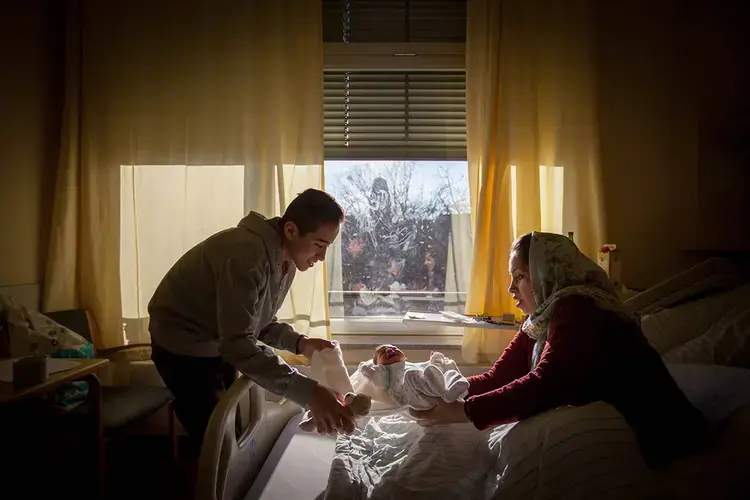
(307, 345)
(442, 414)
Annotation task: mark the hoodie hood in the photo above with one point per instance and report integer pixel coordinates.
(267, 230)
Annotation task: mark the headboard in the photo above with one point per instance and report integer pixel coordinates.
(711, 276)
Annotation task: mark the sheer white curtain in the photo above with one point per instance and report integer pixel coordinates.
(165, 211)
(306, 306)
(181, 117)
(458, 268)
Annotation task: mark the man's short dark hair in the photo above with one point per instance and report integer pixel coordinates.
(311, 209)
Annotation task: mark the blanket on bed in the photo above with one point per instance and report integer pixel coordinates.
(574, 452)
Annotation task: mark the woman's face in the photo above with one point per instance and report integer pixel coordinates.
(520, 284)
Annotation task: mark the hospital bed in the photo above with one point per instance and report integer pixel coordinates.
(273, 460)
(268, 454)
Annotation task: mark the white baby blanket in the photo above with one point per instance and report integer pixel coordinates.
(327, 367)
(394, 386)
(412, 384)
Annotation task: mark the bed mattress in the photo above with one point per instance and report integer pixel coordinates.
(297, 467)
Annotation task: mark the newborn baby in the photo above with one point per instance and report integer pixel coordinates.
(410, 384)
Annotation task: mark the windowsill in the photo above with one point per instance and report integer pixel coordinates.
(387, 327)
(404, 341)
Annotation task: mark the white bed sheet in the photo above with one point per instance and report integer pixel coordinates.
(299, 464)
(297, 467)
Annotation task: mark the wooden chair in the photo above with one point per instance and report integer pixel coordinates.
(121, 407)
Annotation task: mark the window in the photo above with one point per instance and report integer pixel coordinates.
(395, 158)
(406, 243)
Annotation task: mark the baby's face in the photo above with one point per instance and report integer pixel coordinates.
(387, 355)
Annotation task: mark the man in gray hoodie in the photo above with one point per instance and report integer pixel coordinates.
(221, 297)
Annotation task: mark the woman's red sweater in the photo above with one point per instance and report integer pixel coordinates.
(590, 355)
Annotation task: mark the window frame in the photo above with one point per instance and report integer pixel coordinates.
(385, 325)
(403, 56)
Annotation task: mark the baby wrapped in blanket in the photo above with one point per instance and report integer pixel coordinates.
(392, 381)
(388, 381)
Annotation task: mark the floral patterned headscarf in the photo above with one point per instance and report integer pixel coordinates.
(558, 269)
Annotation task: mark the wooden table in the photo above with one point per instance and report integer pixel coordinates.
(84, 372)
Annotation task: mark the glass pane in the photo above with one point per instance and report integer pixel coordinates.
(406, 242)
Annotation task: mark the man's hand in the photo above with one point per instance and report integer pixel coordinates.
(441, 414)
(307, 346)
(329, 412)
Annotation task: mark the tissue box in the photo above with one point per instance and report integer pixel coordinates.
(609, 260)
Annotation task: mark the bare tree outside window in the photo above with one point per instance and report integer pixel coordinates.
(396, 240)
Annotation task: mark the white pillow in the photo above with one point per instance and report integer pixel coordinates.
(726, 343)
(711, 275)
(670, 328)
(717, 391)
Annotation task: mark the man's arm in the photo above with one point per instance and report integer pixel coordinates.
(237, 290)
(280, 335)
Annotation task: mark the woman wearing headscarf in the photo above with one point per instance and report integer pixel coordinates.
(576, 346)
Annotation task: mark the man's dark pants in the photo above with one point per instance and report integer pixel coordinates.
(197, 385)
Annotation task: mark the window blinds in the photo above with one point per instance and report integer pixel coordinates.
(395, 115)
(394, 21)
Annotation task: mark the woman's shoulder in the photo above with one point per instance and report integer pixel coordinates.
(575, 305)
(580, 309)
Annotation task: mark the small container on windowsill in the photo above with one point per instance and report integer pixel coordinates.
(30, 370)
(609, 260)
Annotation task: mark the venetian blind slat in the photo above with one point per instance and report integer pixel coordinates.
(396, 20)
(395, 115)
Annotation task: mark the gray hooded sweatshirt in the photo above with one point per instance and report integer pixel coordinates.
(222, 296)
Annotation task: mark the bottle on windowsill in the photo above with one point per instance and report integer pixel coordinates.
(609, 260)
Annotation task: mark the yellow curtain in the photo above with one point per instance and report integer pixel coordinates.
(180, 118)
(82, 264)
(531, 142)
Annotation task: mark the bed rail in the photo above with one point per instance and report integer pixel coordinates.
(235, 448)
